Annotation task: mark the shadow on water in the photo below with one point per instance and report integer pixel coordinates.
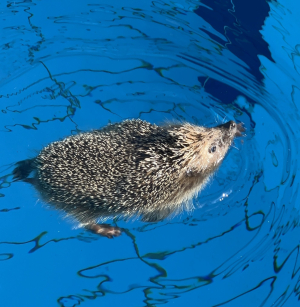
(75, 66)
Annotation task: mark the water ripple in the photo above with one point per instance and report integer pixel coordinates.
(70, 67)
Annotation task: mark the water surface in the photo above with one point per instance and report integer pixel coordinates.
(72, 66)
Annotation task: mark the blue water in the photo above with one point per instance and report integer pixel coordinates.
(70, 66)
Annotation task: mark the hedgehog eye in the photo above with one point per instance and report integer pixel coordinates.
(212, 149)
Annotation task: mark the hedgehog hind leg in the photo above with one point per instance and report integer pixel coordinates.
(104, 230)
(23, 170)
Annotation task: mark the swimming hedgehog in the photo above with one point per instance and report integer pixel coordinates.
(128, 169)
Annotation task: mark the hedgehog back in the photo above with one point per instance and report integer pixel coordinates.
(125, 169)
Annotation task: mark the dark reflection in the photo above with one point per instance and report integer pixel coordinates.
(240, 22)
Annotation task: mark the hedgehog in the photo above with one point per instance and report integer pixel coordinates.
(128, 169)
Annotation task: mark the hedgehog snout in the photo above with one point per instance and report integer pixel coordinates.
(233, 129)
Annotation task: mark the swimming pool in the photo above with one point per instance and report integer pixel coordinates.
(71, 66)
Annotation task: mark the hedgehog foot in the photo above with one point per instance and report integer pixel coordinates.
(105, 230)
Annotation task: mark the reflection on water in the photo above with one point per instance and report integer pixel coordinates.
(73, 66)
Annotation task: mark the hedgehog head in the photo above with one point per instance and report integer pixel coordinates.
(203, 148)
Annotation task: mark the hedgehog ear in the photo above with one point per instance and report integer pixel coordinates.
(153, 217)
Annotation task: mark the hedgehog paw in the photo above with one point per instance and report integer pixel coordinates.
(105, 230)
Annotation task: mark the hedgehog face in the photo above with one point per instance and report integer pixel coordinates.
(207, 147)
(221, 140)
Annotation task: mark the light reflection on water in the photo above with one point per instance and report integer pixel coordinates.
(70, 67)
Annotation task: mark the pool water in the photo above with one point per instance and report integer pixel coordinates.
(71, 66)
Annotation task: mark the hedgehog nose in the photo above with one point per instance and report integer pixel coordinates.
(237, 129)
(229, 125)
